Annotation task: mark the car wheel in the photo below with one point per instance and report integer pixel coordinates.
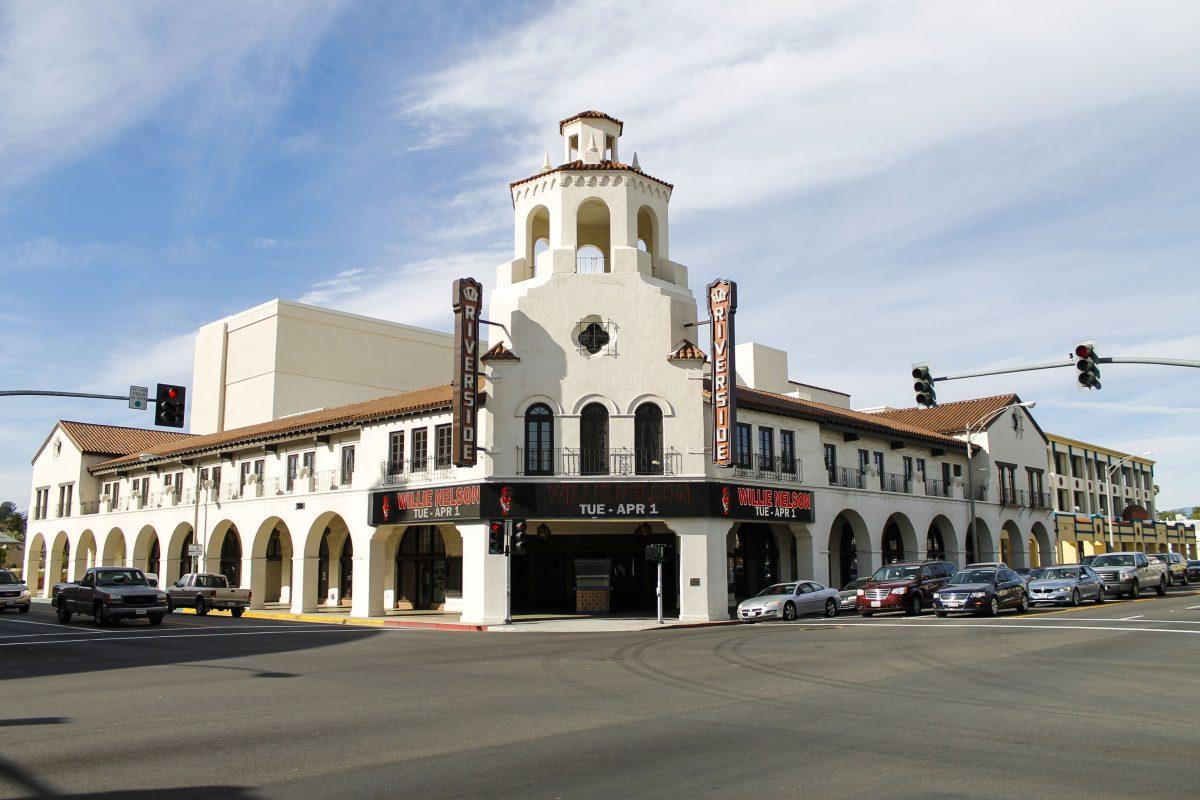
(25, 609)
(201, 609)
(237, 612)
(1134, 590)
(156, 619)
(831, 609)
(1024, 605)
(867, 614)
(914, 607)
(170, 605)
(1161, 589)
(1185, 579)
(789, 611)
(99, 616)
(994, 608)
(941, 614)
(64, 613)
(1074, 597)
(1100, 597)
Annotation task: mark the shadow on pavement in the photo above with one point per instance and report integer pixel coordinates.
(12, 723)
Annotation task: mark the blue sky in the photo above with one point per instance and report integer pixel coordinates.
(972, 184)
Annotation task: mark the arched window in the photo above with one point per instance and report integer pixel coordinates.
(593, 440)
(647, 232)
(648, 440)
(539, 440)
(424, 573)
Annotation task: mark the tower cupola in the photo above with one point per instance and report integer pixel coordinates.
(590, 137)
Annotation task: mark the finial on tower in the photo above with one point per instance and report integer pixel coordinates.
(635, 163)
(546, 162)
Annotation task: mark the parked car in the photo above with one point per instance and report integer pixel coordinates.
(908, 587)
(1087, 560)
(109, 594)
(788, 601)
(983, 589)
(1193, 570)
(152, 579)
(1176, 564)
(1130, 572)
(1069, 584)
(207, 592)
(13, 593)
(848, 595)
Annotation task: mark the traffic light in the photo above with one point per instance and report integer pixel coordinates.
(496, 538)
(1085, 365)
(923, 385)
(520, 529)
(168, 406)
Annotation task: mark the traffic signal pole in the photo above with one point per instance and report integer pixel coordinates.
(508, 554)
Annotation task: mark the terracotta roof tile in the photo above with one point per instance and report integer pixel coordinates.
(434, 397)
(759, 400)
(819, 388)
(950, 417)
(687, 352)
(499, 353)
(590, 115)
(116, 440)
(579, 166)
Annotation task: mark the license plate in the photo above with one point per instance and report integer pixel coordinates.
(874, 604)
(951, 603)
(141, 612)
(9, 603)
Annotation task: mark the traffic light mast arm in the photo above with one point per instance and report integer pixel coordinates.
(41, 393)
(1168, 362)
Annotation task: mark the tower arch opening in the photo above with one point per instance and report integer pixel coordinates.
(593, 237)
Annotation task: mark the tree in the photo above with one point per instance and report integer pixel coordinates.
(12, 521)
(1196, 512)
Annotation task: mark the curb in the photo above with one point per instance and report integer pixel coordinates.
(373, 622)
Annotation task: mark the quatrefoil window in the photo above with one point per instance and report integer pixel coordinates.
(593, 337)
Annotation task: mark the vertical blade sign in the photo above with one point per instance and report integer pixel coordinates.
(467, 299)
(722, 303)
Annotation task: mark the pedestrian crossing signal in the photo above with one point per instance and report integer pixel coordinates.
(496, 538)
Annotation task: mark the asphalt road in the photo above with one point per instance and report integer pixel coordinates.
(1090, 702)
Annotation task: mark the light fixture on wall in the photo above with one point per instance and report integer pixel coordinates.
(643, 531)
(543, 531)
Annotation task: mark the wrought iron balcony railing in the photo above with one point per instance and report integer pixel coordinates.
(774, 468)
(846, 477)
(598, 461)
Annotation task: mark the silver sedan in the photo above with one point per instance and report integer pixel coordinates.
(1070, 584)
(788, 601)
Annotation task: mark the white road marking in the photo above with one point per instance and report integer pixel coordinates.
(1193, 608)
(1006, 626)
(148, 633)
(1130, 619)
(330, 629)
(48, 624)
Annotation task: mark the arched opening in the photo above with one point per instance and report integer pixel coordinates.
(146, 556)
(593, 440)
(35, 575)
(85, 555)
(893, 544)
(647, 233)
(539, 440)
(63, 560)
(592, 237)
(185, 558)
(537, 234)
(114, 548)
(226, 542)
(271, 563)
(323, 570)
(935, 545)
(346, 571)
(753, 560)
(648, 439)
(979, 544)
(423, 571)
(1012, 545)
(849, 549)
(154, 558)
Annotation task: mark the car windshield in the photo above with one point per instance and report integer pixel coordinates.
(1037, 574)
(1194, 563)
(857, 583)
(1058, 573)
(895, 573)
(7, 577)
(1114, 560)
(218, 582)
(974, 576)
(120, 577)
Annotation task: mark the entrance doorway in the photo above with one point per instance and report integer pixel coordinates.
(753, 561)
(424, 573)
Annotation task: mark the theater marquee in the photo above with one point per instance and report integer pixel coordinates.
(467, 300)
(722, 305)
(607, 500)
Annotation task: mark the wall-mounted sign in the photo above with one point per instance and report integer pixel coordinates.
(607, 500)
(722, 304)
(467, 300)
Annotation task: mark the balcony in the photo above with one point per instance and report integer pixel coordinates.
(1039, 500)
(980, 493)
(1012, 497)
(846, 478)
(588, 461)
(89, 506)
(895, 482)
(771, 468)
(936, 488)
(399, 473)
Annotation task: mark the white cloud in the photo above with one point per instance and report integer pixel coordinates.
(74, 77)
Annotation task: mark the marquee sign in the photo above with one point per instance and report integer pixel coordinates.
(722, 304)
(607, 500)
(467, 300)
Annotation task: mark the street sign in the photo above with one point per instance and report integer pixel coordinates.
(195, 550)
(137, 397)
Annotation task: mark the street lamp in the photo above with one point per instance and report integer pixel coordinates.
(146, 457)
(1108, 473)
(972, 429)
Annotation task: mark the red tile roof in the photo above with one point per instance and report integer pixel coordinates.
(687, 352)
(429, 399)
(818, 388)
(770, 402)
(950, 417)
(590, 115)
(579, 166)
(499, 353)
(115, 440)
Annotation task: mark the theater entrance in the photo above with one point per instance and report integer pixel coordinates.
(546, 575)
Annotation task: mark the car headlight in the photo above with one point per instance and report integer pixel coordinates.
(113, 599)
(1127, 573)
(771, 604)
(860, 593)
(978, 594)
(900, 590)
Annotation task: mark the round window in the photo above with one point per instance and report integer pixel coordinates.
(593, 337)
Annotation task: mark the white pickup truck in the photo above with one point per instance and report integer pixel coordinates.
(1129, 573)
(207, 592)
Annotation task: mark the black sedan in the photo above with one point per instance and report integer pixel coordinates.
(982, 591)
(1193, 570)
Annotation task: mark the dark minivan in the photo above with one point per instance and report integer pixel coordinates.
(907, 587)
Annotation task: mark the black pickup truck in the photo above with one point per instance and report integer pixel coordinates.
(108, 594)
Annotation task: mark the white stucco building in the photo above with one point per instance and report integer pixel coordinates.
(319, 469)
